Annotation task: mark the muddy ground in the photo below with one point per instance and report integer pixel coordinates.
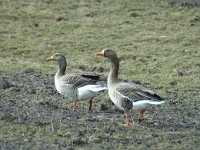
(34, 116)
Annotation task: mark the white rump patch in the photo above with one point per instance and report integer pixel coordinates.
(143, 104)
(88, 91)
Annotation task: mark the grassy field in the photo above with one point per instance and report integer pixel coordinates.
(157, 42)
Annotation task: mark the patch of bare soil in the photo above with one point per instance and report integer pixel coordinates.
(28, 98)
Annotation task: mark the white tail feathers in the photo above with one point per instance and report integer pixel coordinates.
(144, 104)
(97, 88)
(155, 102)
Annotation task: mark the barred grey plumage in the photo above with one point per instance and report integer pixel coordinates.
(126, 95)
(74, 87)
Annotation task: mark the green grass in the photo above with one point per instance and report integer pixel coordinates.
(153, 45)
(31, 134)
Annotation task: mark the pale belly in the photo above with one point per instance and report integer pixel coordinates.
(84, 93)
(72, 93)
(66, 90)
(114, 100)
(137, 106)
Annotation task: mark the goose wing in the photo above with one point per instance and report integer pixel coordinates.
(77, 81)
(135, 92)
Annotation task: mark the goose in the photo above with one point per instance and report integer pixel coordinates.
(74, 87)
(127, 96)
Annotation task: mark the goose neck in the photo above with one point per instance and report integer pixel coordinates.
(113, 75)
(62, 68)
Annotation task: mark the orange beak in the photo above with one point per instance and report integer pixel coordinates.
(100, 53)
(50, 58)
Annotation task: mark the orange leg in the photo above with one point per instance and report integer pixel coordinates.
(90, 104)
(141, 115)
(127, 119)
(74, 105)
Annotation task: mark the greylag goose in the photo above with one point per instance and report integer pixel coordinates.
(74, 87)
(127, 96)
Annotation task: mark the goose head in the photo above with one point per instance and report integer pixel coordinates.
(107, 52)
(60, 58)
(112, 56)
(57, 57)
